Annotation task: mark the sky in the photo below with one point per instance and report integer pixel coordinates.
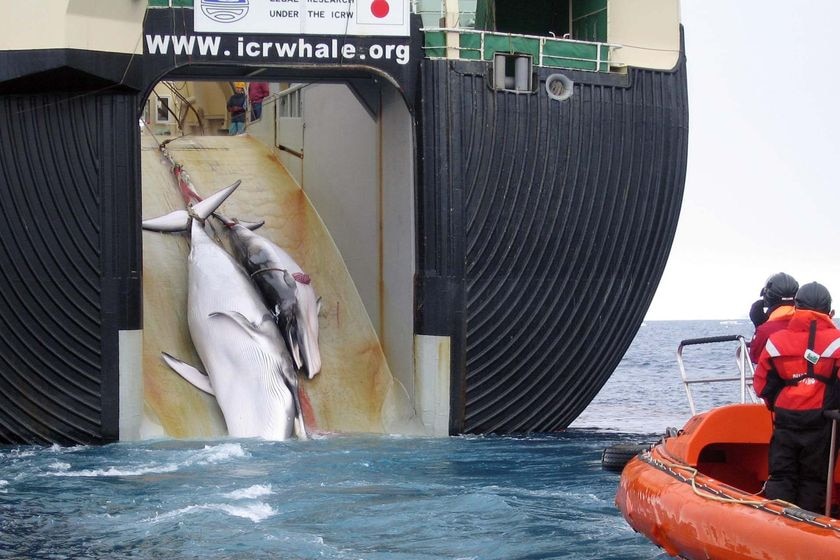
(762, 191)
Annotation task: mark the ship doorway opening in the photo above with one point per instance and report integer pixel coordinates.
(329, 166)
(584, 20)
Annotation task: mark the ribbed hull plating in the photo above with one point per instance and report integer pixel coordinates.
(543, 230)
(58, 349)
(569, 211)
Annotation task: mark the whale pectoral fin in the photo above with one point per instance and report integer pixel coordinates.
(170, 223)
(237, 318)
(291, 338)
(255, 331)
(300, 428)
(295, 351)
(194, 375)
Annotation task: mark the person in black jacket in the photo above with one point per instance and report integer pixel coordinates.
(237, 107)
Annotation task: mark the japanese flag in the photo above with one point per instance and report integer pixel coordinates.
(381, 12)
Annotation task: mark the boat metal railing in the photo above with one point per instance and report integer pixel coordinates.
(742, 359)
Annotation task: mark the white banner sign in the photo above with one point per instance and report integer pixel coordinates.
(303, 17)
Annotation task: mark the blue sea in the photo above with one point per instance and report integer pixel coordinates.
(363, 496)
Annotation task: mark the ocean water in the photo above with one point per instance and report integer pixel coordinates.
(362, 496)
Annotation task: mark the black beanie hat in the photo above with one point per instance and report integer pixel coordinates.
(813, 296)
(779, 288)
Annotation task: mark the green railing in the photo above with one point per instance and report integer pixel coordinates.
(475, 44)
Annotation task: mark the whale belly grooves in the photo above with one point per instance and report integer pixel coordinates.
(245, 371)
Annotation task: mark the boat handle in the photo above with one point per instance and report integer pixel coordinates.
(711, 339)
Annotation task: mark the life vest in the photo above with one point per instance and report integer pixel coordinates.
(797, 371)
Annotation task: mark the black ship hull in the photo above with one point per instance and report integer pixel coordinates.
(550, 224)
(542, 226)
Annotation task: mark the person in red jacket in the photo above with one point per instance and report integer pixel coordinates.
(257, 91)
(797, 378)
(777, 297)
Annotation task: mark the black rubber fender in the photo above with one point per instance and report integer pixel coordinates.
(616, 456)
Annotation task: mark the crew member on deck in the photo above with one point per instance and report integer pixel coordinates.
(257, 91)
(777, 297)
(797, 378)
(237, 107)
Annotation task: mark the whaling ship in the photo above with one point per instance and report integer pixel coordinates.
(497, 182)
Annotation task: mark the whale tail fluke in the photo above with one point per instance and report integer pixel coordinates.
(173, 222)
(179, 220)
(206, 207)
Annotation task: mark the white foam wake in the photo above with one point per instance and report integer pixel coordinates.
(256, 512)
(251, 493)
(209, 455)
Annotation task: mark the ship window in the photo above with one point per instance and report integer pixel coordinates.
(513, 72)
(433, 13)
(163, 112)
(589, 20)
(291, 105)
(535, 17)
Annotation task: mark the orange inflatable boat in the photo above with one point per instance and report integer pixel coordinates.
(697, 494)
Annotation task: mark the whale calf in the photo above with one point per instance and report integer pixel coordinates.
(248, 368)
(286, 290)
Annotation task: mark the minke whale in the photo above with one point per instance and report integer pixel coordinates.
(286, 290)
(248, 368)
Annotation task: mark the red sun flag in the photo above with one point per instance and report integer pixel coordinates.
(380, 8)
